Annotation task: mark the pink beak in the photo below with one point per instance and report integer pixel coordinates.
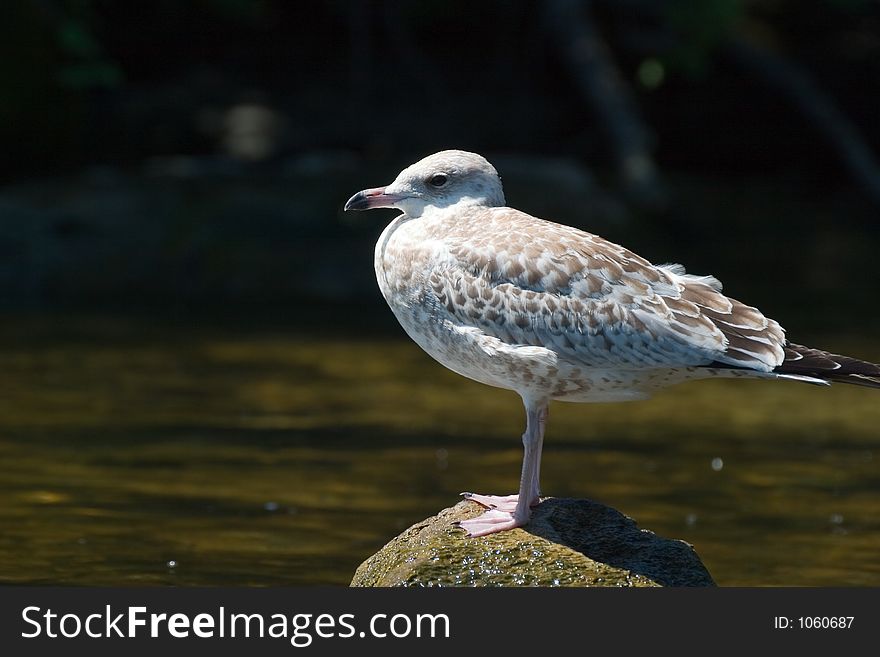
(372, 198)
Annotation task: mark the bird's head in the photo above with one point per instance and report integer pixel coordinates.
(438, 181)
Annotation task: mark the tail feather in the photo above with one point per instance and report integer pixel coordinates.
(818, 364)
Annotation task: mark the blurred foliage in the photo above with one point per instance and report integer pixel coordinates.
(701, 28)
(87, 66)
(54, 61)
(97, 81)
(38, 116)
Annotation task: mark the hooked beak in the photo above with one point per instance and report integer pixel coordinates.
(372, 198)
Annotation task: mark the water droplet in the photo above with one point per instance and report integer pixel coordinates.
(717, 463)
(690, 519)
(172, 564)
(836, 519)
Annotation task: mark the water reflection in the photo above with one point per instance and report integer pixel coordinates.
(134, 453)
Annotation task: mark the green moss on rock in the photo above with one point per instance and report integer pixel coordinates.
(567, 543)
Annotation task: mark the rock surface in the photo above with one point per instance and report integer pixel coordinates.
(567, 543)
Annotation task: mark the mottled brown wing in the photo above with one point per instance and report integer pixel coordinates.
(546, 284)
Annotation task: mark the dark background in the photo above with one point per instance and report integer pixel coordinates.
(177, 157)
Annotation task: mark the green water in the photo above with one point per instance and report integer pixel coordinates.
(137, 453)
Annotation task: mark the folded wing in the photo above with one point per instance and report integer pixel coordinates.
(591, 300)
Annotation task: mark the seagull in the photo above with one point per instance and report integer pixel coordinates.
(555, 313)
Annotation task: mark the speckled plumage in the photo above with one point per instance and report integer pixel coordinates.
(554, 312)
(548, 310)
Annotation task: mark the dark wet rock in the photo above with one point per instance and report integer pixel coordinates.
(567, 543)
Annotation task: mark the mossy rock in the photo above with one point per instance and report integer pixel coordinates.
(567, 543)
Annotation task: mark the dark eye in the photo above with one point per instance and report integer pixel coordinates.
(437, 180)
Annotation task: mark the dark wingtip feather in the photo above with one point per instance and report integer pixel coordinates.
(859, 380)
(805, 361)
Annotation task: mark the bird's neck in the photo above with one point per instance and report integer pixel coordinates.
(460, 208)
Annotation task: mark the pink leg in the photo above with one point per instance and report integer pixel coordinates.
(512, 511)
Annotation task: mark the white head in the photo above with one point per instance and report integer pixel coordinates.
(438, 181)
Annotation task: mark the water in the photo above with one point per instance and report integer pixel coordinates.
(135, 452)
